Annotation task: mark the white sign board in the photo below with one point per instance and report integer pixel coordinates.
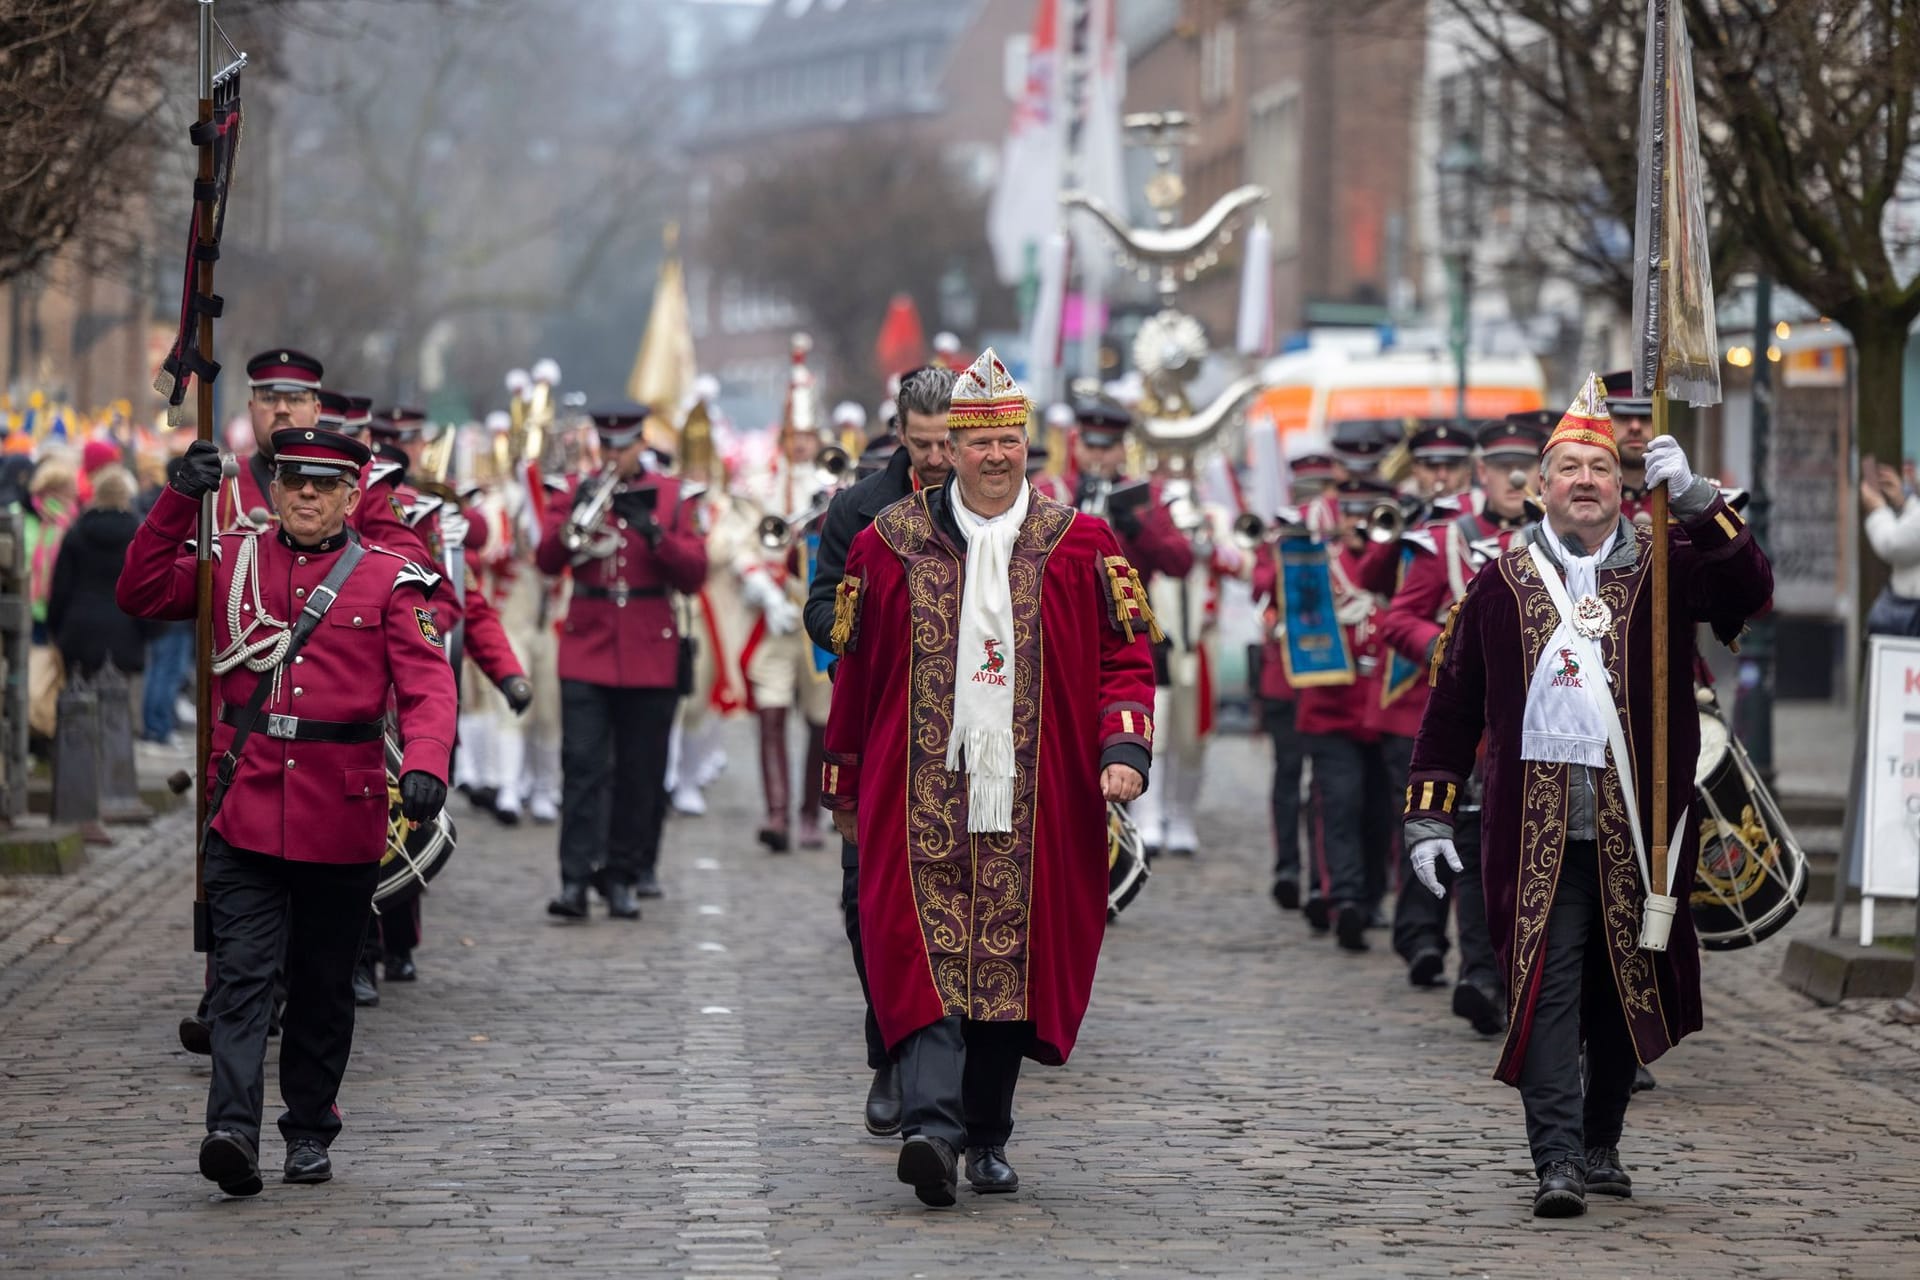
(1890, 799)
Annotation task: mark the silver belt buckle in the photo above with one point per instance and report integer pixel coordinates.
(619, 592)
(279, 726)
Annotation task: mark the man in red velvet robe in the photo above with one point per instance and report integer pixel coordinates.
(975, 774)
(1564, 880)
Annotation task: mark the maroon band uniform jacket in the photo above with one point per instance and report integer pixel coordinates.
(620, 629)
(301, 800)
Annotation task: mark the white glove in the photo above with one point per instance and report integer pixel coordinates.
(1427, 852)
(1667, 464)
(453, 527)
(760, 591)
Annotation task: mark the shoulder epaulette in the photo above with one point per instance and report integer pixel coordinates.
(556, 483)
(1422, 539)
(423, 506)
(381, 472)
(412, 575)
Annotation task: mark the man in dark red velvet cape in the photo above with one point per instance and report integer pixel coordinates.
(1564, 886)
(980, 945)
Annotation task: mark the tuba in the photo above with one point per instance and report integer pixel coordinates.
(586, 534)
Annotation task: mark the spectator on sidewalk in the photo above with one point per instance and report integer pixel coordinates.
(84, 621)
(53, 499)
(1893, 531)
(169, 658)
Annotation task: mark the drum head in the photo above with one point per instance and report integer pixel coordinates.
(1752, 875)
(1126, 860)
(1714, 742)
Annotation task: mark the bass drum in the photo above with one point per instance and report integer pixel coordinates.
(1752, 875)
(1126, 860)
(414, 855)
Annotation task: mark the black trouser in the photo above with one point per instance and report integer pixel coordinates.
(1420, 919)
(399, 923)
(613, 746)
(319, 913)
(1289, 759)
(1577, 992)
(1354, 819)
(850, 911)
(957, 1078)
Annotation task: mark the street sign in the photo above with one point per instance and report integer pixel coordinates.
(1890, 798)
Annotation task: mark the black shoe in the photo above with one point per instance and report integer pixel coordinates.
(506, 817)
(621, 904)
(883, 1102)
(1151, 852)
(307, 1161)
(399, 967)
(1286, 892)
(1179, 851)
(1377, 918)
(1562, 1193)
(366, 990)
(929, 1167)
(648, 886)
(1606, 1176)
(1472, 1002)
(572, 902)
(484, 797)
(989, 1173)
(196, 1035)
(776, 840)
(1427, 968)
(1352, 928)
(1643, 1080)
(1317, 912)
(229, 1159)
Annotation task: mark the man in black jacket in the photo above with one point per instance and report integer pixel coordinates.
(924, 458)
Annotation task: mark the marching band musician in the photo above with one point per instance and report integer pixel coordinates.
(1278, 710)
(466, 613)
(1145, 528)
(298, 784)
(620, 665)
(923, 459)
(1546, 656)
(1632, 418)
(716, 618)
(777, 659)
(1442, 561)
(1187, 606)
(1441, 468)
(1352, 808)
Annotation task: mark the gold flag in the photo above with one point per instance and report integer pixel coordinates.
(1677, 345)
(664, 367)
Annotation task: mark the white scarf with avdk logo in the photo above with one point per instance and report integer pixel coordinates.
(984, 667)
(1564, 723)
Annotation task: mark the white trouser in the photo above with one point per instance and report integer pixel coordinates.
(1164, 812)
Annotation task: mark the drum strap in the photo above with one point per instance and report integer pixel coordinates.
(318, 602)
(1610, 714)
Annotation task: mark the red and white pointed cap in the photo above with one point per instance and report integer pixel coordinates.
(1586, 420)
(987, 396)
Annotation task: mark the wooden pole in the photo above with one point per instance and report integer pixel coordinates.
(1662, 652)
(203, 567)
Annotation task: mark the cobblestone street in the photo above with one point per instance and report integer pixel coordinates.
(683, 1096)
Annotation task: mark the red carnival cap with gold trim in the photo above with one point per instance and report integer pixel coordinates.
(987, 396)
(1586, 420)
(315, 451)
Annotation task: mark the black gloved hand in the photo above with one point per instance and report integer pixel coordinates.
(199, 472)
(421, 795)
(519, 693)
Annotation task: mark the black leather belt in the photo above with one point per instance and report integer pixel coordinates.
(302, 729)
(618, 594)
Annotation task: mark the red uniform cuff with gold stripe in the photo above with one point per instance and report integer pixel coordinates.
(840, 781)
(1433, 798)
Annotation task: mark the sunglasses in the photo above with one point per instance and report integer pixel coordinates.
(293, 481)
(291, 399)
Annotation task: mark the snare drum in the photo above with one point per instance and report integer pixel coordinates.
(1752, 874)
(1126, 860)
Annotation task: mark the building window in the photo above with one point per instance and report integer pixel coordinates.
(1273, 161)
(1218, 51)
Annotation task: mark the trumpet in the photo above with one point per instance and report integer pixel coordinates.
(835, 461)
(585, 533)
(776, 533)
(1388, 521)
(1250, 531)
